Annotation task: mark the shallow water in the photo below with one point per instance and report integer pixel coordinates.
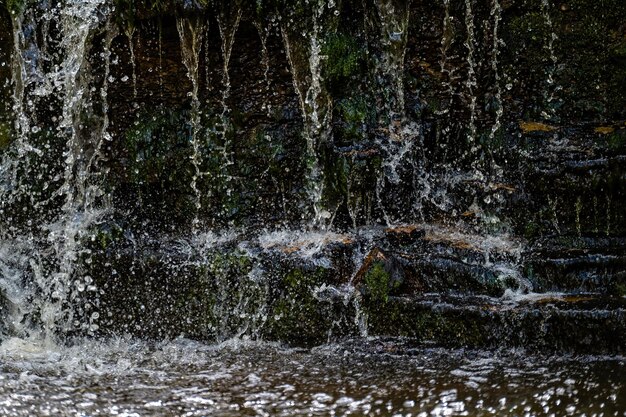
(238, 378)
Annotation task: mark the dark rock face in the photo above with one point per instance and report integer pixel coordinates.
(6, 117)
(487, 137)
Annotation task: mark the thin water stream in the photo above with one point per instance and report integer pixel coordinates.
(191, 33)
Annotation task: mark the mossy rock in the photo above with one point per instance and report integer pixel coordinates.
(298, 317)
(150, 294)
(344, 63)
(6, 135)
(14, 6)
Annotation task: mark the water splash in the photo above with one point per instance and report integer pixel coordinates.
(191, 32)
(307, 246)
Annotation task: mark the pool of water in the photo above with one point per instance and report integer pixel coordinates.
(127, 377)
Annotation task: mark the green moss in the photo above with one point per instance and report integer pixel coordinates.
(128, 11)
(157, 138)
(226, 265)
(105, 235)
(408, 318)
(354, 115)
(492, 144)
(529, 31)
(157, 150)
(344, 59)
(619, 51)
(378, 283)
(616, 141)
(14, 6)
(620, 289)
(612, 12)
(297, 316)
(532, 230)
(5, 135)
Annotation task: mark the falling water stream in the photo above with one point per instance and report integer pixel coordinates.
(130, 34)
(191, 34)
(471, 70)
(551, 86)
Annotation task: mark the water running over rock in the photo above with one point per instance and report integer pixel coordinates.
(311, 171)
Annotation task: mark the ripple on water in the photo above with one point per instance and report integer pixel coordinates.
(131, 377)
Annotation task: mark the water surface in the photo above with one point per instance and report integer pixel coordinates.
(238, 378)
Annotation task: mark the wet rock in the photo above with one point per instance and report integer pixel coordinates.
(404, 235)
(6, 46)
(536, 127)
(381, 274)
(578, 264)
(576, 325)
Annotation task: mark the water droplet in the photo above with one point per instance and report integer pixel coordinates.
(395, 36)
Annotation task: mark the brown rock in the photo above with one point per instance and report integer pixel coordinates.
(404, 235)
(401, 278)
(535, 127)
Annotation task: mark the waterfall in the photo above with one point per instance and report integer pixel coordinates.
(446, 41)
(228, 24)
(227, 33)
(56, 238)
(305, 174)
(399, 140)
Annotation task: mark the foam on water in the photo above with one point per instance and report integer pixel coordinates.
(515, 297)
